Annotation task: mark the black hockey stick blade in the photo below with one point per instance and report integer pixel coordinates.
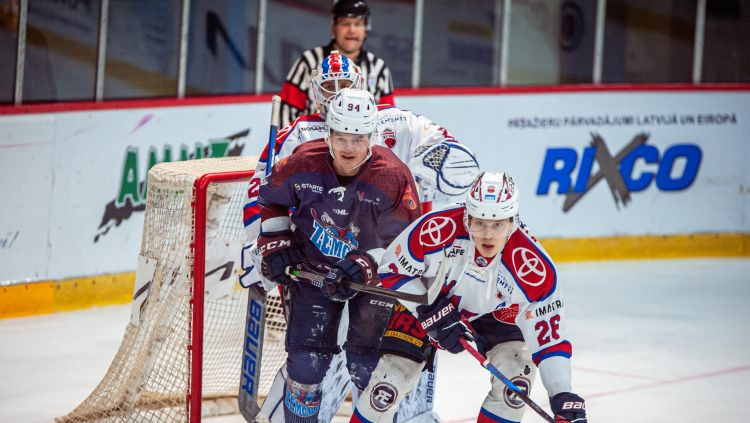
(415, 298)
(252, 348)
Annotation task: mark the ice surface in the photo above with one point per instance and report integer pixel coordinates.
(653, 341)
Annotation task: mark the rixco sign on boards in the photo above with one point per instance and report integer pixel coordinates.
(673, 168)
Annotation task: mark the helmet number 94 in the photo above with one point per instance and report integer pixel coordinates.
(547, 329)
(352, 106)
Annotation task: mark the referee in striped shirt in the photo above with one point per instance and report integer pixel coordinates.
(349, 30)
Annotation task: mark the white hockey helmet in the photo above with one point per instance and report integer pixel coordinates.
(492, 196)
(335, 72)
(353, 111)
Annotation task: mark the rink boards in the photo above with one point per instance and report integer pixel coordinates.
(603, 173)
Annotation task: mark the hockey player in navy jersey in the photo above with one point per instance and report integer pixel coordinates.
(331, 207)
(443, 169)
(499, 288)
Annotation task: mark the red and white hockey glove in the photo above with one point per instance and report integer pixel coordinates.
(357, 267)
(568, 408)
(279, 251)
(442, 322)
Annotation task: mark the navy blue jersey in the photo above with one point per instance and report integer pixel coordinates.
(365, 213)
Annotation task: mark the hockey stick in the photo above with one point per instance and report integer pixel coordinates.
(320, 279)
(252, 349)
(275, 120)
(252, 345)
(495, 372)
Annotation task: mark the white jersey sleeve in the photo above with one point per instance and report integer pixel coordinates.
(441, 166)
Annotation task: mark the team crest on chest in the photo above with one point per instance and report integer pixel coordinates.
(332, 240)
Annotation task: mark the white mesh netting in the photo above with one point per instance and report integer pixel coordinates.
(149, 377)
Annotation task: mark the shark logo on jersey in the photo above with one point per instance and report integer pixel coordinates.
(332, 240)
(338, 191)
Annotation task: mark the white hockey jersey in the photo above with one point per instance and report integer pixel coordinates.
(519, 286)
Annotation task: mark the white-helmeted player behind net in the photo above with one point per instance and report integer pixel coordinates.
(443, 169)
(499, 288)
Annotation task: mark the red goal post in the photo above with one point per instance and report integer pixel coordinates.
(181, 355)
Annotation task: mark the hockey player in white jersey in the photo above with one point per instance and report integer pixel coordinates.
(499, 288)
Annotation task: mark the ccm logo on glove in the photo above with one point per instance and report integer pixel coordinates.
(428, 322)
(365, 265)
(271, 246)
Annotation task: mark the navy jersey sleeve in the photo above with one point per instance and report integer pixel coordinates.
(276, 197)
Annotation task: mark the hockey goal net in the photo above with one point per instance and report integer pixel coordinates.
(182, 351)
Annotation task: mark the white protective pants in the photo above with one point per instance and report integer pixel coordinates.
(393, 378)
(514, 361)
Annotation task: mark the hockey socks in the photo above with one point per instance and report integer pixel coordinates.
(301, 402)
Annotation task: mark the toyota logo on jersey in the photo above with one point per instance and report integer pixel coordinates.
(437, 231)
(529, 267)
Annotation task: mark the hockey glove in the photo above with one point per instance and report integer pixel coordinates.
(442, 322)
(279, 251)
(357, 267)
(568, 408)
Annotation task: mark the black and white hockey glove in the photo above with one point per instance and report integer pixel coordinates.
(568, 408)
(442, 322)
(357, 267)
(279, 251)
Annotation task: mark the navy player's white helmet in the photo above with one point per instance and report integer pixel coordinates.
(492, 196)
(334, 73)
(352, 111)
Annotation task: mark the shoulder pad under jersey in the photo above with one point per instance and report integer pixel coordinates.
(436, 231)
(530, 266)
